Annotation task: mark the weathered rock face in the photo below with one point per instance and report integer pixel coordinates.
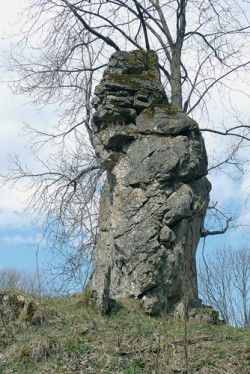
(155, 196)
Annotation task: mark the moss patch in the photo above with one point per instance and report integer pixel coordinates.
(168, 109)
(147, 59)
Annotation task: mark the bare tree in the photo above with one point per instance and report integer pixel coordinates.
(59, 58)
(64, 206)
(224, 280)
(30, 282)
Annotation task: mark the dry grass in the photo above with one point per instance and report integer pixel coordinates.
(79, 340)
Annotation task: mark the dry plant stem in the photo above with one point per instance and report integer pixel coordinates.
(186, 333)
(157, 349)
(157, 362)
(95, 324)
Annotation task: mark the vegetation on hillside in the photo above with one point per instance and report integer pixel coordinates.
(69, 336)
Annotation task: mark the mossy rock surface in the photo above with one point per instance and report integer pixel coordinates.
(21, 309)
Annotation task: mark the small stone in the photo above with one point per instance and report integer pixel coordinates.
(167, 235)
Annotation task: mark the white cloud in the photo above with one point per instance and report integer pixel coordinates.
(19, 239)
(224, 189)
(10, 205)
(14, 112)
(246, 182)
(11, 20)
(9, 219)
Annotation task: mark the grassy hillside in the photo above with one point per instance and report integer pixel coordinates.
(67, 335)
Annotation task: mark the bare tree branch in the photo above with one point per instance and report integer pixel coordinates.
(217, 232)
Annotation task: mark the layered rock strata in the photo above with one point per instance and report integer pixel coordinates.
(155, 195)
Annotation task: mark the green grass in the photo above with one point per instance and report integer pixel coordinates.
(75, 338)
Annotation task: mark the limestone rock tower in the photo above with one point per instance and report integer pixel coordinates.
(156, 192)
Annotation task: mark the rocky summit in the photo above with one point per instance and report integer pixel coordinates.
(156, 193)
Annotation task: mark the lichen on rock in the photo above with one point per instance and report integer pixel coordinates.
(156, 192)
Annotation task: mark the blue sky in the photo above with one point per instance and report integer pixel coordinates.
(17, 238)
(18, 241)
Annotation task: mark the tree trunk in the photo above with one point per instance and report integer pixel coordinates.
(175, 79)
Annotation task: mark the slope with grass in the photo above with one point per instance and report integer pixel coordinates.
(72, 337)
